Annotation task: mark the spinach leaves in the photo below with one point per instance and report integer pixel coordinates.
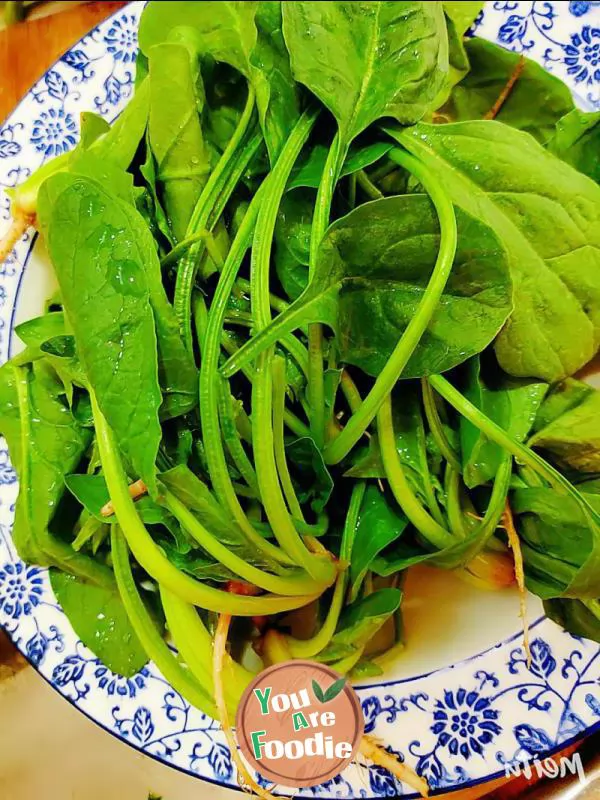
(240, 379)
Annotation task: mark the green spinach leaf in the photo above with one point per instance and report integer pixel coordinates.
(379, 524)
(372, 271)
(99, 619)
(100, 249)
(535, 104)
(576, 140)
(511, 403)
(573, 438)
(175, 133)
(547, 216)
(45, 443)
(367, 60)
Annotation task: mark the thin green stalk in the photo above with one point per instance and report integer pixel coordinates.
(277, 303)
(352, 191)
(279, 441)
(211, 203)
(151, 640)
(456, 518)
(231, 437)
(320, 222)
(429, 493)
(319, 528)
(209, 385)
(180, 249)
(321, 568)
(293, 583)
(308, 648)
(195, 645)
(295, 424)
(369, 188)
(288, 342)
(524, 455)
(436, 427)
(350, 391)
(200, 320)
(339, 447)
(344, 665)
(408, 501)
(586, 575)
(151, 557)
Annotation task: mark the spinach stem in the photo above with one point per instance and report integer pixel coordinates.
(454, 510)
(308, 648)
(321, 568)
(232, 439)
(369, 188)
(350, 391)
(288, 342)
(209, 385)
(408, 501)
(279, 441)
(195, 645)
(297, 583)
(142, 623)
(277, 303)
(435, 425)
(316, 387)
(341, 445)
(210, 206)
(180, 249)
(295, 424)
(525, 455)
(150, 556)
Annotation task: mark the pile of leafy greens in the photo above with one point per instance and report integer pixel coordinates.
(318, 320)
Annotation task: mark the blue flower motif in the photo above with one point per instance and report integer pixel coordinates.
(464, 722)
(543, 663)
(579, 8)
(114, 684)
(582, 55)
(143, 726)
(36, 647)
(371, 708)
(534, 740)
(514, 28)
(21, 589)
(593, 704)
(8, 146)
(216, 753)
(7, 473)
(121, 39)
(220, 760)
(54, 132)
(69, 671)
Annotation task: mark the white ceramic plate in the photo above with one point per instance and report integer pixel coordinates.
(461, 702)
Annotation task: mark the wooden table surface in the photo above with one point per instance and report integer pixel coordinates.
(26, 52)
(28, 49)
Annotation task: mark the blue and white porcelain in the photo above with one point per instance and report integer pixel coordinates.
(463, 702)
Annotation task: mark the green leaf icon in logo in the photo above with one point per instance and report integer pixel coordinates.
(329, 694)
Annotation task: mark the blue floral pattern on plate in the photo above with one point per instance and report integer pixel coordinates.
(456, 725)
